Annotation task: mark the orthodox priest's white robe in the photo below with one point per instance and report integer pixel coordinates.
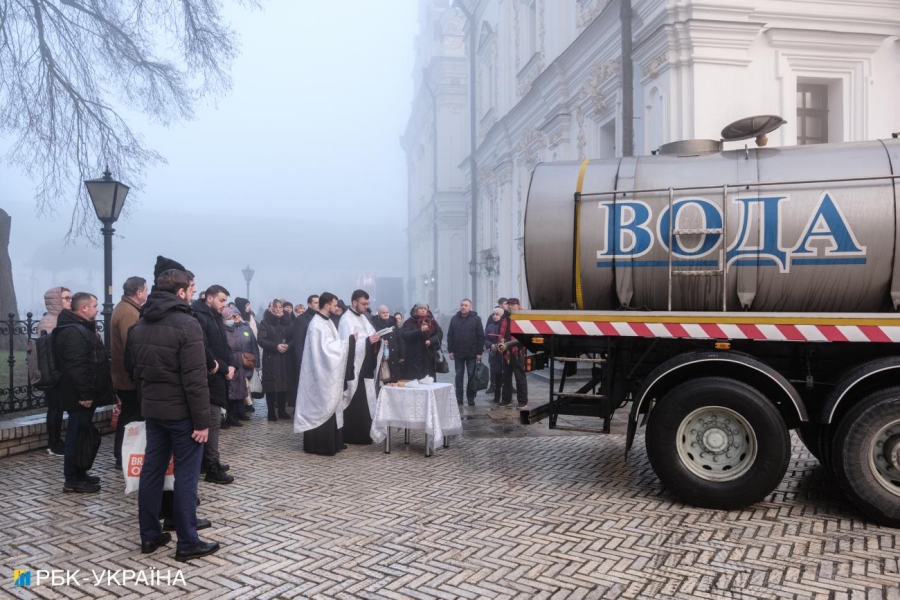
(320, 392)
(351, 323)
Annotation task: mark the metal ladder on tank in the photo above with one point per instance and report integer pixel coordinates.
(721, 268)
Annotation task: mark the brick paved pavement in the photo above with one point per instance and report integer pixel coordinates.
(505, 512)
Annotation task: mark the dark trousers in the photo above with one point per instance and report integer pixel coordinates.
(515, 368)
(496, 363)
(54, 420)
(78, 420)
(465, 366)
(211, 447)
(131, 412)
(235, 409)
(277, 402)
(165, 439)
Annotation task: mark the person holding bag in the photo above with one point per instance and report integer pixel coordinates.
(168, 360)
(250, 359)
(85, 384)
(237, 385)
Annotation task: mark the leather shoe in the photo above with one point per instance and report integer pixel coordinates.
(235, 423)
(243, 418)
(92, 479)
(169, 524)
(283, 415)
(200, 550)
(153, 546)
(80, 487)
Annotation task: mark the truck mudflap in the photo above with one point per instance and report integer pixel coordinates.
(663, 377)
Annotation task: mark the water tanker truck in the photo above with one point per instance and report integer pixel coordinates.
(728, 297)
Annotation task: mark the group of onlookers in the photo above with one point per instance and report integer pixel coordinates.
(178, 363)
(468, 339)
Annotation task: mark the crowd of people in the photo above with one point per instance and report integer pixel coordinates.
(191, 368)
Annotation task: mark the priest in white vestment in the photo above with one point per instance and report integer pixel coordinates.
(360, 393)
(326, 370)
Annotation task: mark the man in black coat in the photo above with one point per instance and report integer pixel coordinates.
(85, 382)
(166, 355)
(300, 326)
(218, 363)
(465, 343)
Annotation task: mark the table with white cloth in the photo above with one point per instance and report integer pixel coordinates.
(431, 407)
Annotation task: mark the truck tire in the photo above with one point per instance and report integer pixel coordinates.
(703, 440)
(866, 435)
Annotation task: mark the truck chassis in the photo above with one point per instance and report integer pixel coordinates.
(718, 394)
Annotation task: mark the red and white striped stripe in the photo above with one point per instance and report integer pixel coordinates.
(713, 331)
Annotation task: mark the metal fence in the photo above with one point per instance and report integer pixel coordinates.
(16, 392)
(18, 395)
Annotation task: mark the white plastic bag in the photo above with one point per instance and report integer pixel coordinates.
(134, 443)
(256, 386)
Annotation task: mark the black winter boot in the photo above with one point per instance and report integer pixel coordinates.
(270, 403)
(282, 410)
(216, 474)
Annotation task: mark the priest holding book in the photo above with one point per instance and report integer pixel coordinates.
(327, 371)
(360, 393)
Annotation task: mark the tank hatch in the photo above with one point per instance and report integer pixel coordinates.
(690, 147)
(752, 127)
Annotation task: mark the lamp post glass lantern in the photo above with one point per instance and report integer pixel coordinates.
(490, 262)
(108, 197)
(248, 275)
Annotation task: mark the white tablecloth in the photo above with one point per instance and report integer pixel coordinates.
(431, 407)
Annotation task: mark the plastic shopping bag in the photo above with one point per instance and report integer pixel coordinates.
(256, 386)
(133, 444)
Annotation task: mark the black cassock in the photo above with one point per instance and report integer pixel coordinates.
(357, 418)
(327, 439)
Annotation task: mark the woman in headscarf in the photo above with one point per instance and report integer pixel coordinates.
(422, 337)
(247, 316)
(237, 385)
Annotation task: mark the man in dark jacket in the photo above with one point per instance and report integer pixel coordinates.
(465, 343)
(300, 326)
(167, 357)
(218, 363)
(85, 382)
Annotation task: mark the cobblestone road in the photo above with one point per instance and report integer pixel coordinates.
(506, 512)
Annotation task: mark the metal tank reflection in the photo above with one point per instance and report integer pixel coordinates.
(805, 229)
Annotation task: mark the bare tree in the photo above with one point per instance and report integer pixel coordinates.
(67, 68)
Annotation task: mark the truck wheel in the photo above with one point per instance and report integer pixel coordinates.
(866, 456)
(718, 443)
(810, 434)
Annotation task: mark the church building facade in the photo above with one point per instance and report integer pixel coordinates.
(548, 87)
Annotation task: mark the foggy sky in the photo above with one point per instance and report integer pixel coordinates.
(297, 171)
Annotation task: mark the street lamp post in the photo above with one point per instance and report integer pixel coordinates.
(108, 197)
(248, 275)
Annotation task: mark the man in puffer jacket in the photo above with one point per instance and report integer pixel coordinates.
(56, 300)
(84, 385)
(168, 359)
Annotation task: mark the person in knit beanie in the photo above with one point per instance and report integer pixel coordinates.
(162, 265)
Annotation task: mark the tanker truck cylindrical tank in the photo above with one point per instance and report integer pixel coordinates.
(800, 229)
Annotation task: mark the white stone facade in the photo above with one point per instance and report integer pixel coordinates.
(549, 89)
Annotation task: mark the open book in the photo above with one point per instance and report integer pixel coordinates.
(385, 331)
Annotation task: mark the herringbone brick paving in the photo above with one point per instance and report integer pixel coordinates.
(523, 517)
